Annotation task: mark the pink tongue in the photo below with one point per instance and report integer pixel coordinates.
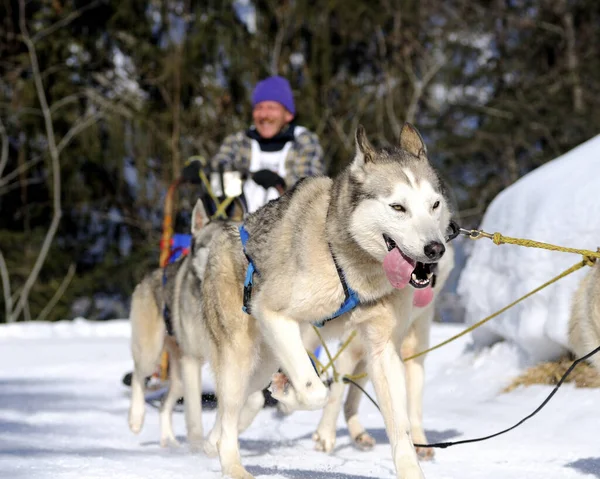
(423, 297)
(397, 269)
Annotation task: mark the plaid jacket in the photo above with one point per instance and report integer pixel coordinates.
(305, 157)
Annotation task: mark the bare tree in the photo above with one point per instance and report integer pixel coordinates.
(14, 309)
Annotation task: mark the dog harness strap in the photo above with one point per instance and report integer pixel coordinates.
(248, 282)
(341, 276)
(350, 302)
(351, 299)
(166, 309)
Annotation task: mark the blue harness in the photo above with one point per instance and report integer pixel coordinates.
(350, 302)
(180, 245)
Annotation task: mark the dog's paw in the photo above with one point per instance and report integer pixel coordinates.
(418, 437)
(196, 442)
(411, 472)
(282, 390)
(425, 453)
(364, 441)
(169, 441)
(210, 448)
(280, 385)
(324, 441)
(237, 472)
(136, 421)
(313, 395)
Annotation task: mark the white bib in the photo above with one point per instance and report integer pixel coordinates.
(256, 195)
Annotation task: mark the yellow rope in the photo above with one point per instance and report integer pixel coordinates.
(499, 239)
(318, 363)
(221, 210)
(221, 207)
(575, 267)
(355, 377)
(340, 350)
(589, 258)
(335, 373)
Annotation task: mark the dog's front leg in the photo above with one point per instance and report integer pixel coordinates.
(387, 374)
(283, 337)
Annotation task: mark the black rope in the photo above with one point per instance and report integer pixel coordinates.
(348, 380)
(443, 445)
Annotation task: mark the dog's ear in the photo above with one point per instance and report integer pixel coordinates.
(199, 217)
(411, 141)
(365, 153)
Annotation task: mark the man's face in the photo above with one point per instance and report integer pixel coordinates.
(270, 117)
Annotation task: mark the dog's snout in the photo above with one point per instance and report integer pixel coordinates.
(434, 250)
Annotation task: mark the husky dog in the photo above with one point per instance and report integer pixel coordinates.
(166, 310)
(584, 322)
(367, 239)
(352, 362)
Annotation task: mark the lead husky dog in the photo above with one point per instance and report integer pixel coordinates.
(352, 361)
(365, 235)
(584, 322)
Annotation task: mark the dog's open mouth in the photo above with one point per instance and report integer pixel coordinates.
(402, 270)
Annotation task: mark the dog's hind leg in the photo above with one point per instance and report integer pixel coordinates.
(259, 380)
(167, 438)
(191, 368)
(234, 370)
(147, 338)
(212, 440)
(417, 340)
(361, 438)
(254, 403)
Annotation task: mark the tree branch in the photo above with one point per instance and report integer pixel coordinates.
(6, 288)
(284, 18)
(573, 62)
(389, 87)
(78, 127)
(107, 105)
(20, 183)
(64, 21)
(418, 89)
(20, 169)
(55, 167)
(4, 151)
(58, 294)
(65, 101)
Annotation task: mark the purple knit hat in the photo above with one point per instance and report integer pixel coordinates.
(277, 89)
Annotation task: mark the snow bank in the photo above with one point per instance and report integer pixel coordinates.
(557, 203)
(78, 328)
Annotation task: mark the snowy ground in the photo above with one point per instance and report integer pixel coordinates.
(63, 414)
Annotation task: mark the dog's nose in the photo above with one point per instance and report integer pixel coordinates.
(434, 250)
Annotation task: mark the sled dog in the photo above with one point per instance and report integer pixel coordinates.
(353, 248)
(166, 310)
(584, 322)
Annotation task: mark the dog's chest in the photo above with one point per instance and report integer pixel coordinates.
(315, 298)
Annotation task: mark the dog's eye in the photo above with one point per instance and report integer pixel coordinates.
(399, 208)
(436, 204)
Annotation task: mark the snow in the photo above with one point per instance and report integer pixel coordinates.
(63, 414)
(557, 203)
